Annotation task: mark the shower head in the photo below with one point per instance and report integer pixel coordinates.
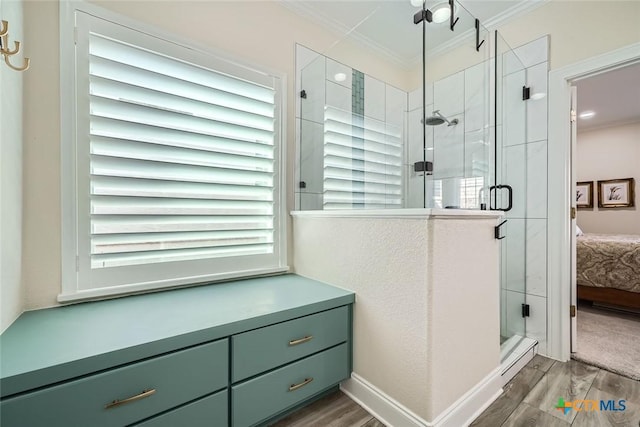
(438, 119)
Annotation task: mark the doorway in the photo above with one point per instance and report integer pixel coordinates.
(561, 195)
(605, 167)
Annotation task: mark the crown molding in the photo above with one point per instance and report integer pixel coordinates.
(343, 31)
(514, 12)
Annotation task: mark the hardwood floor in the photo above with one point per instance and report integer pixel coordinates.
(529, 399)
(333, 410)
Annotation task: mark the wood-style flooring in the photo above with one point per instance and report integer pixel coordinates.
(529, 399)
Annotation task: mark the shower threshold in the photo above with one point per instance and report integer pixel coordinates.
(515, 353)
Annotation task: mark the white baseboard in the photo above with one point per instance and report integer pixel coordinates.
(393, 414)
(387, 410)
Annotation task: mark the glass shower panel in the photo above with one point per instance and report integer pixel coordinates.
(353, 106)
(510, 177)
(310, 130)
(457, 106)
(394, 114)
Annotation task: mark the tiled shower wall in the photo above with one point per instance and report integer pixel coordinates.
(524, 147)
(459, 153)
(382, 102)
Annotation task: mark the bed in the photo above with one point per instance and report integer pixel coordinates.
(608, 268)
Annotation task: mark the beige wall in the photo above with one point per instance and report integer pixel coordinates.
(609, 153)
(11, 291)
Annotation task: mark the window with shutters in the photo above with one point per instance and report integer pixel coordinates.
(176, 164)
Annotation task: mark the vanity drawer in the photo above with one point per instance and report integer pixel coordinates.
(265, 396)
(288, 341)
(210, 411)
(177, 378)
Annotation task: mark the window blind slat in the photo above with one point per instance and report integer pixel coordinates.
(137, 258)
(121, 243)
(110, 205)
(116, 129)
(116, 186)
(140, 58)
(123, 111)
(108, 166)
(120, 224)
(149, 79)
(139, 96)
(177, 155)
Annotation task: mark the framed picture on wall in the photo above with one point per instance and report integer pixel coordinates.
(616, 193)
(584, 195)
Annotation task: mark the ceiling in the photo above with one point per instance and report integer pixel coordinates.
(386, 26)
(614, 96)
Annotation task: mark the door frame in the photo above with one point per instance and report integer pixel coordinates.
(560, 190)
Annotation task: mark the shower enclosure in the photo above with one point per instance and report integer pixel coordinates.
(435, 121)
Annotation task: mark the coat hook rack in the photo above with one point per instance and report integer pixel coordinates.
(6, 52)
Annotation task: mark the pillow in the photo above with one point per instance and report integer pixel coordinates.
(579, 231)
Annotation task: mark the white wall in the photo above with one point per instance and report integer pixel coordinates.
(11, 292)
(609, 153)
(263, 33)
(415, 285)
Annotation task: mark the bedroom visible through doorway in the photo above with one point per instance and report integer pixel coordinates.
(606, 168)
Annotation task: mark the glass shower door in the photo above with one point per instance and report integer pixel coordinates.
(456, 110)
(509, 191)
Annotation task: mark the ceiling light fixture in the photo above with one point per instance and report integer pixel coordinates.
(586, 115)
(340, 77)
(538, 95)
(441, 13)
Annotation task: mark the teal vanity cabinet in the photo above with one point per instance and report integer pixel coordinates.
(319, 345)
(231, 354)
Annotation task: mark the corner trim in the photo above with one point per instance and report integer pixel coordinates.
(392, 413)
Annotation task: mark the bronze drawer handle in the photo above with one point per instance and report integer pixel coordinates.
(301, 340)
(294, 387)
(145, 393)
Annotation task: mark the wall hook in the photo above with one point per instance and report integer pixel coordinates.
(452, 22)
(478, 42)
(6, 52)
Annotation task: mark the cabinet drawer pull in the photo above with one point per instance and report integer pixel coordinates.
(145, 393)
(301, 340)
(294, 387)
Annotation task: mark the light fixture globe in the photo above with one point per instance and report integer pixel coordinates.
(441, 13)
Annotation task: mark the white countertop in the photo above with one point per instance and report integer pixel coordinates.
(430, 213)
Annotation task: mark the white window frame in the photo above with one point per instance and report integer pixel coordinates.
(71, 288)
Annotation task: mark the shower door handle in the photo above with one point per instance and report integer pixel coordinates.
(509, 194)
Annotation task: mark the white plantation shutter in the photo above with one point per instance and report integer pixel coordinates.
(362, 162)
(177, 163)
